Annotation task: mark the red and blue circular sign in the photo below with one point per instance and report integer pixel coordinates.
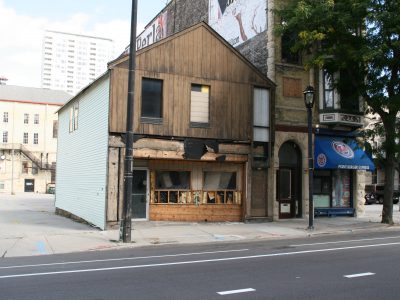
(343, 149)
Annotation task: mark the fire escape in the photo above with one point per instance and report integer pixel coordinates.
(39, 162)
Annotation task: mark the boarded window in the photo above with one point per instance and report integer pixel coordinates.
(261, 115)
(292, 87)
(200, 105)
(151, 98)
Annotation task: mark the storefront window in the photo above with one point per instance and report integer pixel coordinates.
(169, 184)
(332, 188)
(322, 189)
(219, 187)
(174, 187)
(341, 188)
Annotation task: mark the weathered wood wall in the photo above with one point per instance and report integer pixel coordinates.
(195, 56)
(194, 213)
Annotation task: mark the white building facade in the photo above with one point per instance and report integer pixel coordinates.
(71, 61)
(28, 140)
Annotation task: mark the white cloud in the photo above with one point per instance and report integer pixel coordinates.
(21, 41)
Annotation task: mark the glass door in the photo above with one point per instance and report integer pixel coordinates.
(139, 194)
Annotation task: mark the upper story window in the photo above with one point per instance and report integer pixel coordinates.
(5, 117)
(26, 118)
(329, 96)
(152, 97)
(288, 56)
(73, 117)
(25, 138)
(36, 119)
(347, 100)
(261, 115)
(5, 136)
(36, 138)
(200, 105)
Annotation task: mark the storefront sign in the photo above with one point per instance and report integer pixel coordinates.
(153, 33)
(321, 160)
(342, 149)
(238, 20)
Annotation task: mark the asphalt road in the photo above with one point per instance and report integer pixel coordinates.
(357, 266)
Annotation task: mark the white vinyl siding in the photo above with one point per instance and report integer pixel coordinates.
(82, 157)
(261, 115)
(200, 104)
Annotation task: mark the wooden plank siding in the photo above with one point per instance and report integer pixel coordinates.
(194, 56)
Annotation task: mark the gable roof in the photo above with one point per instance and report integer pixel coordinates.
(33, 95)
(123, 60)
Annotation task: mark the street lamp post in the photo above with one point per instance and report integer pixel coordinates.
(309, 102)
(126, 222)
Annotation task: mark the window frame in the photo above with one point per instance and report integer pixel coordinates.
(325, 88)
(25, 138)
(36, 138)
(152, 119)
(36, 119)
(5, 136)
(26, 118)
(73, 117)
(5, 117)
(258, 125)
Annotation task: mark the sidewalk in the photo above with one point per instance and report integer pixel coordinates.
(28, 226)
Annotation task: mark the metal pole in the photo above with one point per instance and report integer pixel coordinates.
(310, 172)
(12, 170)
(126, 222)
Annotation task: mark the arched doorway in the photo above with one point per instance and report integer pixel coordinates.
(289, 175)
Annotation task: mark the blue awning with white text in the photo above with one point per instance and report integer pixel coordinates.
(340, 153)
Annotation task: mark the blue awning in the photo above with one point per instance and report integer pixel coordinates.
(340, 153)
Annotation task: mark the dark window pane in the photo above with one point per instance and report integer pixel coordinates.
(173, 180)
(285, 184)
(151, 98)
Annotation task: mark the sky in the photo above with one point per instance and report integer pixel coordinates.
(23, 23)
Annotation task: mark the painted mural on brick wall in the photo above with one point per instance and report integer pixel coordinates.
(238, 20)
(155, 31)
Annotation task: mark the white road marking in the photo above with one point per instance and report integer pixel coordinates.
(359, 275)
(236, 291)
(348, 241)
(197, 261)
(121, 259)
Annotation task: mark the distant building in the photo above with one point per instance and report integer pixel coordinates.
(28, 138)
(71, 61)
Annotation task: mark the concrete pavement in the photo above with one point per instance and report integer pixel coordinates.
(28, 226)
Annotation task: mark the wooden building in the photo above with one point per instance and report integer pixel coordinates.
(203, 134)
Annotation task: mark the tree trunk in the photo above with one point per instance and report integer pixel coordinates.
(387, 209)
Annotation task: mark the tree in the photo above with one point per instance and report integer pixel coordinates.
(358, 39)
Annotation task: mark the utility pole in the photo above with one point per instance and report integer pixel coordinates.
(126, 222)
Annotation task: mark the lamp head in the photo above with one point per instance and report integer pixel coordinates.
(309, 96)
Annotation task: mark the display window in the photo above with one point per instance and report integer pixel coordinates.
(213, 187)
(332, 188)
